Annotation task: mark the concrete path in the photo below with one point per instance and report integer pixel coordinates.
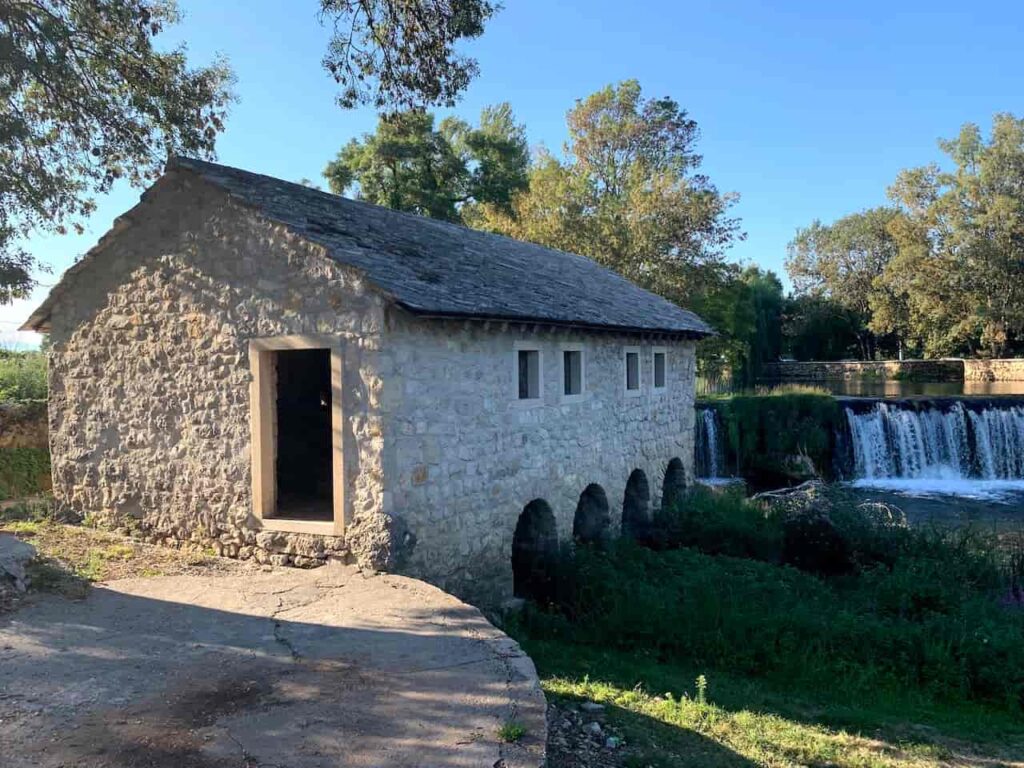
(282, 669)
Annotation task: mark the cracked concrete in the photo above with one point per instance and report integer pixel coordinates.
(282, 669)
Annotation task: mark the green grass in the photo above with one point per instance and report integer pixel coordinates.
(765, 429)
(743, 721)
(902, 654)
(511, 732)
(71, 557)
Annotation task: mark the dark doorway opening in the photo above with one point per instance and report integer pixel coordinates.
(534, 547)
(592, 521)
(636, 507)
(304, 471)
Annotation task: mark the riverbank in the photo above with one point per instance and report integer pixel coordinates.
(728, 644)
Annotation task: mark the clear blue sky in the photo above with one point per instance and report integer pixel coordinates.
(807, 109)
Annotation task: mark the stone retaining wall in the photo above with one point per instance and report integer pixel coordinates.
(817, 370)
(994, 370)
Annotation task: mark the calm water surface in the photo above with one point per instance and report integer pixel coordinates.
(900, 389)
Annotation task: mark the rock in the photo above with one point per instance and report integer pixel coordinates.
(799, 467)
(593, 729)
(592, 706)
(613, 742)
(14, 555)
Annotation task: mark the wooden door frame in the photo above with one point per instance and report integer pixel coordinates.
(263, 423)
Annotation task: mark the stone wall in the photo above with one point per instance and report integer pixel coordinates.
(818, 370)
(150, 402)
(463, 455)
(994, 370)
(149, 375)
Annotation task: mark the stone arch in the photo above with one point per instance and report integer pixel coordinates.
(673, 486)
(592, 521)
(636, 506)
(534, 546)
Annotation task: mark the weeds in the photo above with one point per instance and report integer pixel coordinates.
(511, 731)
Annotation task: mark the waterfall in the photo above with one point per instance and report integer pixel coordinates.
(961, 441)
(708, 448)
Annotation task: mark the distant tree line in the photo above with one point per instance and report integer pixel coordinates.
(941, 270)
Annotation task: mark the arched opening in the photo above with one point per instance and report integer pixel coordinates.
(534, 545)
(673, 487)
(593, 518)
(636, 507)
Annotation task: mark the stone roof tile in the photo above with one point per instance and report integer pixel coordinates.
(432, 267)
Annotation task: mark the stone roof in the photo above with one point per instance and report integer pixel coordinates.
(435, 268)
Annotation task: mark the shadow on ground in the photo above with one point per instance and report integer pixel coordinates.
(291, 668)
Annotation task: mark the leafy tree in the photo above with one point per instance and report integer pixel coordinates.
(630, 194)
(819, 328)
(842, 262)
(86, 100)
(443, 172)
(764, 344)
(960, 267)
(401, 54)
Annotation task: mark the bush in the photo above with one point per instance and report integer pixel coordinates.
(908, 627)
(24, 472)
(720, 522)
(765, 432)
(22, 376)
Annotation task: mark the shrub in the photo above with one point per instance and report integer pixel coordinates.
(720, 522)
(24, 472)
(931, 622)
(766, 431)
(22, 376)
(812, 542)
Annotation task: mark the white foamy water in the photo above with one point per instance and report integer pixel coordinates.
(930, 451)
(708, 446)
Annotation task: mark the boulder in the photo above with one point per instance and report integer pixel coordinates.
(15, 554)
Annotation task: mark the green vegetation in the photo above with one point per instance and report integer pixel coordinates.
(902, 647)
(938, 273)
(511, 732)
(73, 556)
(88, 98)
(772, 434)
(22, 376)
(24, 472)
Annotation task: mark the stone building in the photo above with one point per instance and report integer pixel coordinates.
(294, 376)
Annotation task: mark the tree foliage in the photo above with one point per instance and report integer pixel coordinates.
(444, 172)
(960, 268)
(401, 54)
(942, 272)
(87, 100)
(629, 194)
(842, 262)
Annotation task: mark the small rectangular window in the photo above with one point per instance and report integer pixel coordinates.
(632, 371)
(572, 372)
(659, 369)
(529, 374)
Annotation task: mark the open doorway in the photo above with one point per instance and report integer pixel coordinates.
(303, 470)
(296, 432)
